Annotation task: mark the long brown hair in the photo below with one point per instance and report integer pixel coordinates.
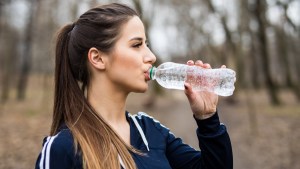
(98, 27)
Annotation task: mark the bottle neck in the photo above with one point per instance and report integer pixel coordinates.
(152, 73)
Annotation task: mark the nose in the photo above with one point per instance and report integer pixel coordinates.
(149, 57)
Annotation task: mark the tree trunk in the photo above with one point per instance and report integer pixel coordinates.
(288, 45)
(26, 58)
(259, 12)
(8, 53)
(294, 43)
(8, 43)
(255, 65)
(231, 59)
(283, 55)
(2, 99)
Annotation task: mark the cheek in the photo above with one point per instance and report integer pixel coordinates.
(126, 61)
(124, 68)
(126, 64)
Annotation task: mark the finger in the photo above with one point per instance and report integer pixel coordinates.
(199, 63)
(206, 65)
(190, 62)
(223, 66)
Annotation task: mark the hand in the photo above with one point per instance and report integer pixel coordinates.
(203, 103)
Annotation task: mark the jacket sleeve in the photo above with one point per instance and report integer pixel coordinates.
(214, 142)
(57, 153)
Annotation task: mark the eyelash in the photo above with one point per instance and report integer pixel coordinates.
(140, 44)
(137, 45)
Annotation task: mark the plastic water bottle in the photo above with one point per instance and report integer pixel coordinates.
(173, 76)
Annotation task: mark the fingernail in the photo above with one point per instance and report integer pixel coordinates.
(185, 86)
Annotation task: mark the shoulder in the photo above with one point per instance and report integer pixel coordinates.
(145, 118)
(149, 122)
(57, 149)
(62, 142)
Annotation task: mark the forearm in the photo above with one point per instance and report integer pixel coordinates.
(214, 142)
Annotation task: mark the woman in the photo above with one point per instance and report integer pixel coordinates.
(100, 59)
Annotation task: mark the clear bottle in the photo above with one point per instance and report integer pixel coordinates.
(173, 76)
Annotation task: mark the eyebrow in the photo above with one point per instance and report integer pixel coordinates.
(137, 38)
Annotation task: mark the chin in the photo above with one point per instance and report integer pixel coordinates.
(141, 89)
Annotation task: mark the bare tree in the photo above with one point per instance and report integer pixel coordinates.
(259, 14)
(249, 48)
(26, 59)
(8, 50)
(228, 40)
(8, 61)
(287, 50)
(1, 50)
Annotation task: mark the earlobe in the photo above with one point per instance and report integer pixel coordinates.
(96, 58)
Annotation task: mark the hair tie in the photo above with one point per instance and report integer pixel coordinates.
(73, 26)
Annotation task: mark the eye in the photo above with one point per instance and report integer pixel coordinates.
(137, 45)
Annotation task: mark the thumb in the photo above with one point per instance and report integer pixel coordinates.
(189, 92)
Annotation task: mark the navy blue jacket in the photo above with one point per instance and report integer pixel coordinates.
(165, 150)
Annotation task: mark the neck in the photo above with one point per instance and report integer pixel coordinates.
(108, 102)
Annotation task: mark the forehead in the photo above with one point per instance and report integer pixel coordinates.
(133, 28)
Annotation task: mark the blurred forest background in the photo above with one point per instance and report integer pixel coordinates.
(257, 38)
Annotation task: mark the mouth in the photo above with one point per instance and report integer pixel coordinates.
(147, 74)
(147, 77)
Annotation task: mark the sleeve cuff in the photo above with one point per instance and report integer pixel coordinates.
(208, 126)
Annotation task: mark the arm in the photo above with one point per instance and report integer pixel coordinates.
(214, 143)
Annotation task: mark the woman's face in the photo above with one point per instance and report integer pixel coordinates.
(131, 58)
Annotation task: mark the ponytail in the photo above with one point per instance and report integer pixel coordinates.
(62, 75)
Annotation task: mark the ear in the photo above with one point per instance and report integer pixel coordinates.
(96, 58)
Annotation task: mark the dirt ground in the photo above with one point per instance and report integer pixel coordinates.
(263, 136)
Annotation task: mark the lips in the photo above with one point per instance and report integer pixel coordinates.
(147, 77)
(147, 74)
